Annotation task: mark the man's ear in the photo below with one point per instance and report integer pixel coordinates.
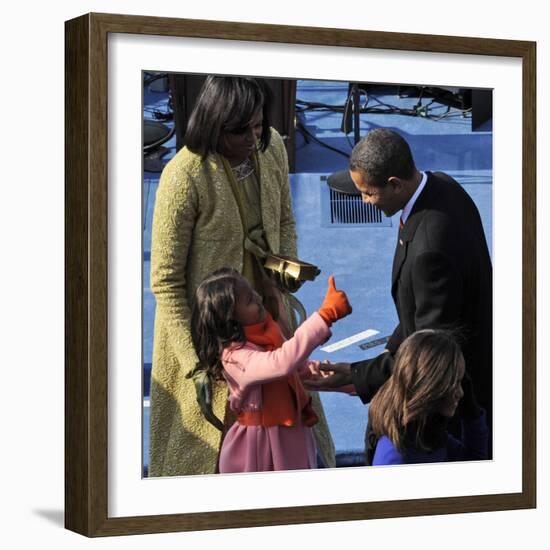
(397, 184)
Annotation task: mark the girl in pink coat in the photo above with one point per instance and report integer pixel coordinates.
(235, 337)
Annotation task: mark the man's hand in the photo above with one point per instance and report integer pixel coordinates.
(331, 375)
(312, 370)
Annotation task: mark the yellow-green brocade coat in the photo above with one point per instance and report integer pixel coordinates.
(197, 229)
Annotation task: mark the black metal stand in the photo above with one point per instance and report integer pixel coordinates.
(341, 181)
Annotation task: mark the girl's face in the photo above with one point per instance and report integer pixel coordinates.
(449, 405)
(239, 145)
(249, 309)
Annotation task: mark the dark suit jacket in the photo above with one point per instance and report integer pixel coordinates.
(441, 278)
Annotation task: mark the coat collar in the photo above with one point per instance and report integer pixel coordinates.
(406, 235)
(418, 210)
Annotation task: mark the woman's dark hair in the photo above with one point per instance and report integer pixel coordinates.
(382, 154)
(213, 324)
(227, 104)
(425, 372)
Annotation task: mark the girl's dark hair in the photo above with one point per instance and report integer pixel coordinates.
(426, 370)
(226, 104)
(213, 324)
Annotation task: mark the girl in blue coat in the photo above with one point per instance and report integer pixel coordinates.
(410, 412)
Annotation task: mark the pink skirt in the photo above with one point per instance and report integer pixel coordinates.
(265, 449)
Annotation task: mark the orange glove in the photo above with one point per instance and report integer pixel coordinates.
(335, 305)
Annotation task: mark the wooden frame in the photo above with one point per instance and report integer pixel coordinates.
(86, 420)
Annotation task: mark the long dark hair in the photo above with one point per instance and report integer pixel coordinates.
(226, 104)
(213, 323)
(425, 372)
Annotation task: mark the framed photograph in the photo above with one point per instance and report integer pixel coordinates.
(107, 492)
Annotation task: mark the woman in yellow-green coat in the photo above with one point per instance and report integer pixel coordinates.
(229, 181)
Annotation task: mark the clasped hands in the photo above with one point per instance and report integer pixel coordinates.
(329, 376)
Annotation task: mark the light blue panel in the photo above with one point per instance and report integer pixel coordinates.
(449, 152)
(145, 195)
(347, 418)
(149, 306)
(150, 187)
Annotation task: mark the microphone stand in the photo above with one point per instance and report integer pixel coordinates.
(341, 181)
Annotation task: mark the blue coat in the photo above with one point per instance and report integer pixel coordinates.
(471, 446)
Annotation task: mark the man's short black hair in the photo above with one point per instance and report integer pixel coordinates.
(382, 154)
(227, 104)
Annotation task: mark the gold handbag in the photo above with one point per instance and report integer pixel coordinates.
(289, 273)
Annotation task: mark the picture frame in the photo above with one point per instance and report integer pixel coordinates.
(87, 437)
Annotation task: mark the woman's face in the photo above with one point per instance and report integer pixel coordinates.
(239, 145)
(449, 405)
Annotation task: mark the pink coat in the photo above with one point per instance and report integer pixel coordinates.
(261, 448)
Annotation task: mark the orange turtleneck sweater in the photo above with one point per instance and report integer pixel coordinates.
(283, 398)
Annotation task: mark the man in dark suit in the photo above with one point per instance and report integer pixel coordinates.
(442, 272)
